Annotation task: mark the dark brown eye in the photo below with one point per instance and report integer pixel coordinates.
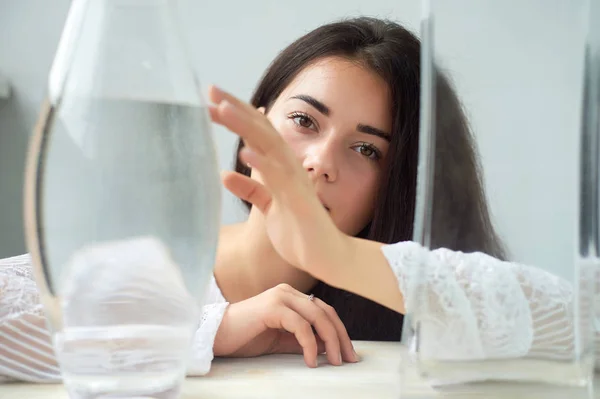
(366, 150)
(303, 121)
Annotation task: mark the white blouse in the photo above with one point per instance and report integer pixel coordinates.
(473, 307)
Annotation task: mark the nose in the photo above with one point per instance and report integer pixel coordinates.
(319, 161)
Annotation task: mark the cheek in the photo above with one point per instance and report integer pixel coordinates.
(362, 190)
(356, 201)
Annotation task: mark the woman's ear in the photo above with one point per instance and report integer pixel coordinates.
(261, 110)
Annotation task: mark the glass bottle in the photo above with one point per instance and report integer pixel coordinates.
(122, 200)
(530, 89)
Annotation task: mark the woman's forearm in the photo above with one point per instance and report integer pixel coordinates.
(364, 270)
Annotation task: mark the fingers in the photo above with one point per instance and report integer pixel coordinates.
(288, 343)
(296, 314)
(253, 159)
(245, 121)
(246, 125)
(276, 167)
(217, 95)
(265, 149)
(346, 347)
(302, 330)
(247, 189)
(319, 319)
(214, 114)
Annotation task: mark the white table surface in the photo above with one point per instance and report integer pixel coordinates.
(377, 376)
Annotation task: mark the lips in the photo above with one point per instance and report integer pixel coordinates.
(325, 206)
(323, 203)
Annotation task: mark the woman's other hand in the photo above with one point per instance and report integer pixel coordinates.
(284, 320)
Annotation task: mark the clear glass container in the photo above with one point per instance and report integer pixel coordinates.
(527, 78)
(122, 200)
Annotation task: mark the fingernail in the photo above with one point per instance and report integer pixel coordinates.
(341, 362)
(316, 363)
(356, 358)
(211, 90)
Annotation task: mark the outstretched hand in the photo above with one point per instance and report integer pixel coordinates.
(298, 225)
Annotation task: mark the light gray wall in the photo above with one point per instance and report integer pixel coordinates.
(516, 64)
(29, 32)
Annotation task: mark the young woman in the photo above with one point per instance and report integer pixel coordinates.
(471, 305)
(345, 99)
(359, 144)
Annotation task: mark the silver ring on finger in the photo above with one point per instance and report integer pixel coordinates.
(311, 297)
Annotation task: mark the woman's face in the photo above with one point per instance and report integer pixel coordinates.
(335, 115)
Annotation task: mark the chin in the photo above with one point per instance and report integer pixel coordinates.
(351, 231)
(355, 231)
(349, 227)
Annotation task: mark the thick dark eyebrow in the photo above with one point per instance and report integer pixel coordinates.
(373, 131)
(324, 109)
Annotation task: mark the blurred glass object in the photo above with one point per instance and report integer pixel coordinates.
(532, 99)
(122, 200)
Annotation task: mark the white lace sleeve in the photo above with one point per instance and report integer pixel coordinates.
(476, 306)
(204, 339)
(26, 351)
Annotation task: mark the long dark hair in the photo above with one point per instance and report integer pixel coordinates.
(461, 216)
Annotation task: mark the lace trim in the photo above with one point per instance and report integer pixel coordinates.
(473, 306)
(202, 352)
